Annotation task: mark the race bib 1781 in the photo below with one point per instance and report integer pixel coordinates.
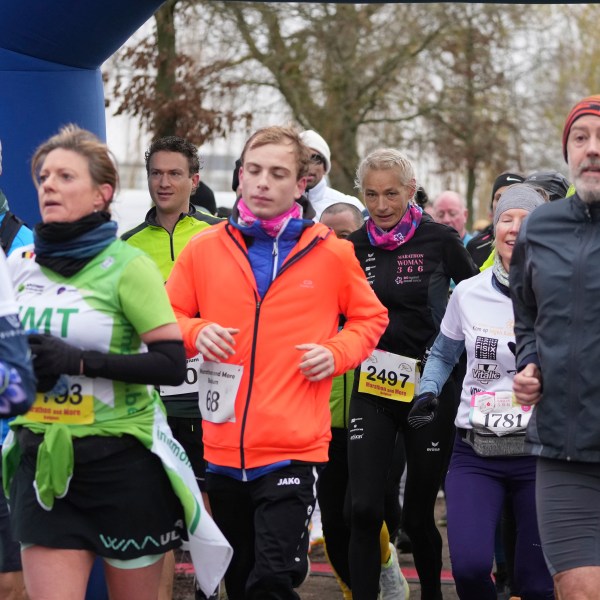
(498, 412)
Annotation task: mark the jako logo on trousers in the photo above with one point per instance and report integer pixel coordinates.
(289, 481)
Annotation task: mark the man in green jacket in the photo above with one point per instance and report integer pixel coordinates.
(172, 167)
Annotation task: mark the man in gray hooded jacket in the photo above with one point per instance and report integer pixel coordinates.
(555, 287)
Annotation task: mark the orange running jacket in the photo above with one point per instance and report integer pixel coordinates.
(279, 414)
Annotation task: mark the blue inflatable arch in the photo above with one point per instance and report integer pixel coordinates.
(50, 57)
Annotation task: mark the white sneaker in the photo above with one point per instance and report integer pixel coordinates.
(392, 583)
(316, 528)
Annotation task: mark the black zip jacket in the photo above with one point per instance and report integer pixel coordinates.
(555, 289)
(413, 282)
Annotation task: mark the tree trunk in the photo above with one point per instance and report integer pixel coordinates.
(471, 182)
(165, 124)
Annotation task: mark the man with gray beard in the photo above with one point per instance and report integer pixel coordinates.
(555, 287)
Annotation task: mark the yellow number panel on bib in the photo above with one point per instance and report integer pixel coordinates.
(74, 407)
(390, 376)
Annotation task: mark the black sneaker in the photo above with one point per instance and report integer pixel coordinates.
(501, 580)
(403, 543)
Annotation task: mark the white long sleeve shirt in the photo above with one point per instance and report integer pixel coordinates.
(322, 196)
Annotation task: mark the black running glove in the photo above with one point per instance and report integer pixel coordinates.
(163, 364)
(423, 411)
(45, 384)
(53, 357)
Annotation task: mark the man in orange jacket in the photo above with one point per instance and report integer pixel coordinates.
(260, 298)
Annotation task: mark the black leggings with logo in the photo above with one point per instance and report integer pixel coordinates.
(334, 501)
(374, 424)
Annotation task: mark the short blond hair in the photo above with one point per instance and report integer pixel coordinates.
(277, 134)
(383, 159)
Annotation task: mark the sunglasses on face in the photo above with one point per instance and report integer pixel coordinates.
(317, 159)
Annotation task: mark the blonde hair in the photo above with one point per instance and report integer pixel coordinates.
(382, 159)
(101, 161)
(277, 134)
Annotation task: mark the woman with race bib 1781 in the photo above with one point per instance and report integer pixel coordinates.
(488, 462)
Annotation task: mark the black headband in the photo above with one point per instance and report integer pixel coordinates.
(504, 180)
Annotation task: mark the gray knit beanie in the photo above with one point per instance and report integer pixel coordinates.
(519, 195)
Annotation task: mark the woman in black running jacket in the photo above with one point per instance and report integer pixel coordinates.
(409, 261)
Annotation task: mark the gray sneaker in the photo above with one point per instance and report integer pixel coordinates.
(392, 583)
